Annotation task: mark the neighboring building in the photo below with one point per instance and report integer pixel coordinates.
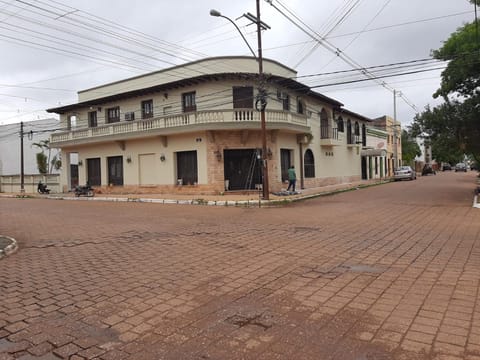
(374, 156)
(194, 128)
(34, 132)
(394, 141)
(425, 157)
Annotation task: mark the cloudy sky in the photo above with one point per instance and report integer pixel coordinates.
(53, 48)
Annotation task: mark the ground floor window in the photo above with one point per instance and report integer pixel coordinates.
(94, 177)
(187, 169)
(115, 170)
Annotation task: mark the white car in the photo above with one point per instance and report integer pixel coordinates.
(404, 172)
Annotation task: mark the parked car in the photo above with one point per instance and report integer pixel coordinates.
(461, 167)
(428, 170)
(404, 172)
(446, 167)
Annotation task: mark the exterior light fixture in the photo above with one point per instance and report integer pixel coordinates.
(162, 157)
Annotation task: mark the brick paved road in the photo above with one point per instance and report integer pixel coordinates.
(387, 272)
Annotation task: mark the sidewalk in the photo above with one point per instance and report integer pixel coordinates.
(227, 199)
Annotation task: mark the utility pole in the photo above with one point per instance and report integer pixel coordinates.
(395, 149)
(263, 104)
(22, 174)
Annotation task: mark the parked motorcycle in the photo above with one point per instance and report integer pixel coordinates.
(85, 190)
(42, 188)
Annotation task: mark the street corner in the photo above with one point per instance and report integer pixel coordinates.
(8, 245)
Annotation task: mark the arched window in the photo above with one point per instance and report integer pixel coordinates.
(357, 133)
(324, 132)
(349, 132)
(364, 135)
(309, 164)
(340, 124)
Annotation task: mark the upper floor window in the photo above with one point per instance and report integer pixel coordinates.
(188, 102)
(92, 119)
(357, 129)
(113, 114)
(286, 102)
(340, 124)
(284, 98)
(147, 109)
(300, 106)
(72, 122)
(243, 97)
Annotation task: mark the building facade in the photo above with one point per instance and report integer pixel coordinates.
(196, 128)
(393, 128)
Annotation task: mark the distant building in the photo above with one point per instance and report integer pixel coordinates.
(425, 157)
(34, 132)
(394, 141)
(374, 155)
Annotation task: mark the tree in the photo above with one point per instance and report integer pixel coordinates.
(410, 148)
(46, 164)
(453, 127)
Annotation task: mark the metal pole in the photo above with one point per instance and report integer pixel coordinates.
(266, 191)
(22, 174)
(395, 149)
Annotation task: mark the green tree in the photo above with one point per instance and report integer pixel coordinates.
(453, 127)
(45, 163)
(410, 148)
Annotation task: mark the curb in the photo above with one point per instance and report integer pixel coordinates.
(9, 249)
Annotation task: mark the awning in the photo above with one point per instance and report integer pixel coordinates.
(374, 152)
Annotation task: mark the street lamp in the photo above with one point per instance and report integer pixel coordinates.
(217, 13)
(261, 96)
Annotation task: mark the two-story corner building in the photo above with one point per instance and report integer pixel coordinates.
(195, 128)
(394, 141)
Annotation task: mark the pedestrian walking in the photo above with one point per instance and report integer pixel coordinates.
(292, 178)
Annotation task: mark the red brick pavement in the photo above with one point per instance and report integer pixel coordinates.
(387, 272)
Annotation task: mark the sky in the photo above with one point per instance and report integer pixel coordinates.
(52, 48)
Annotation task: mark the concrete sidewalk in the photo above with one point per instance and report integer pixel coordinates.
(227, 199)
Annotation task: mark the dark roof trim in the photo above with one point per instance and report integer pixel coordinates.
(281, 81)
(351, 113)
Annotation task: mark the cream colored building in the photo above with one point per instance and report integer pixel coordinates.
(194, 128)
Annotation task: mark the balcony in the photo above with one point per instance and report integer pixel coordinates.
(331, 136)
(237, 119)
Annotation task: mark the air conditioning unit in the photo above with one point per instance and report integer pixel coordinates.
(130, 116)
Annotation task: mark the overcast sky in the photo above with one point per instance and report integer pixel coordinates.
(52, 49)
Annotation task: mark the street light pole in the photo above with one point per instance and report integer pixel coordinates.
(263, 103)
(395, 140)
(261, 98)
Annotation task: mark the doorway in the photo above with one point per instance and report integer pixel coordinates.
(115, 170)
(242, 168)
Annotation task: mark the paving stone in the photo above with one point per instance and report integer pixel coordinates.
(388, 270)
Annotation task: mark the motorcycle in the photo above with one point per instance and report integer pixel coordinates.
(42, 188)
(85, 190)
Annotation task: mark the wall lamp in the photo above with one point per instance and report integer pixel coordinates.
(269, 154)
(218, 155)
(129, 159)
(80, 163)
(162, 157)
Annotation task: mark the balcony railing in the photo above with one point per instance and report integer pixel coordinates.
(231, 117)
(330, 136)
